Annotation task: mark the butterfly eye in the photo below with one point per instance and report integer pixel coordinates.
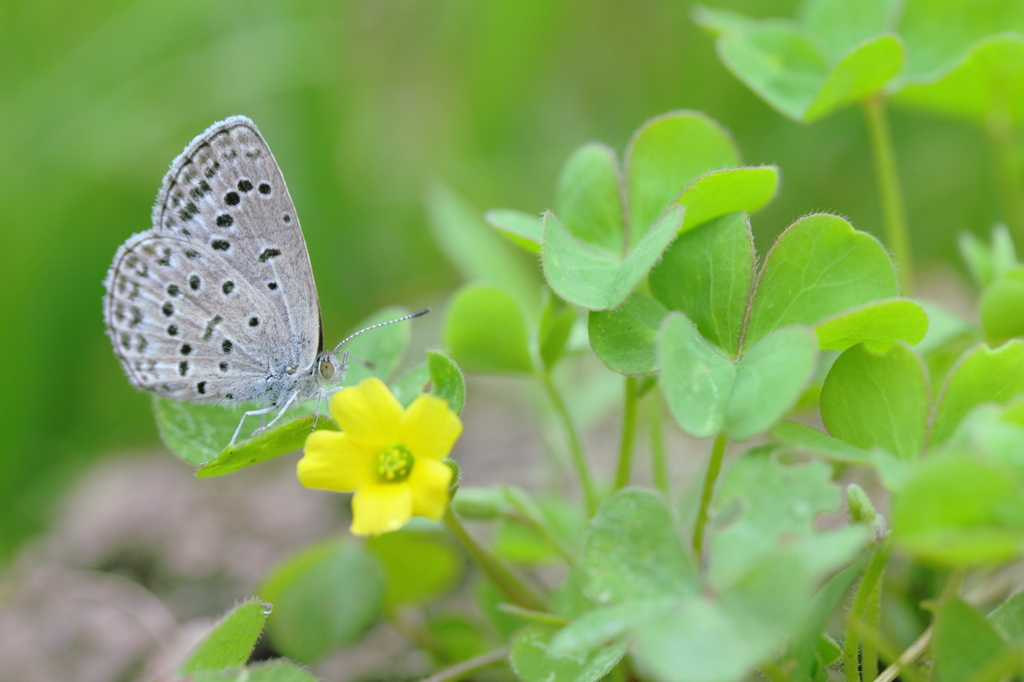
(327, 369)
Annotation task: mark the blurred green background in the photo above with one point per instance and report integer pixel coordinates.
(366, 104)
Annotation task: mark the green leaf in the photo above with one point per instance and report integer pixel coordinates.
(486, 333)
(626, 339)
(595, 279)
(607, 624)
(964, 642)
(938, 34)
(991, 433)
(273, 671)
(707, 274)
(447, 380)
(717, 21)
(666, 155)
(778, 61)
(811, 440)
(532, 660)
(458, 638)
(278, 441)
(768, 505)
(419, 565)
(988, 263)
(1008, 619)
(719, 192)
(408, 386)
(695, 378)
(1002, 308)
(982, 375)
(556, 324)
(877, 400)
(195, 433)
(878, 325)
(230, 642)
(858, 75)
(960, 512)
(841, 25)
(747, 624)
(818, 267)
(783, 63)
(522, 543)
(632, 551)
(324, 597)
(474, 249)
(987, 81)
(522, 229)
(769, 381)
(587, 199)
(383, 348)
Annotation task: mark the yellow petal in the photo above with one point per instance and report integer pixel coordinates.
(428, 428)
(368, 413)
(333, 461)
(430, 480)
(381, 507)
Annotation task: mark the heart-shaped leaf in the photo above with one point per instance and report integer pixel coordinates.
(878, 325)
(877, 400)
(707, 274)
(596, 279)
(626, 339)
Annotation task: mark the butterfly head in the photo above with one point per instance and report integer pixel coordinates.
(330, 369)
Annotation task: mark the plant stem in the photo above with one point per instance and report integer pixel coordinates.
(630, 401)
(658, 464)
(496, 569)
(462, 669)
(714, 468)
(1000, 133)
(579, 459)
(870, 634)
(533, 616)
(855, 619)
(887, 175)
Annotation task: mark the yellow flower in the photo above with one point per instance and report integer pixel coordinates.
(390, 457)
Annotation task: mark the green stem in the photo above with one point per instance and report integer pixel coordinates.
(496, 569)
(533, 616)
(887, 175)
(625, 468)
(714, 468)
(579, 459)
(658, 464)
(463, 669)
(1000, 133)
(855, 619)
(870, 634)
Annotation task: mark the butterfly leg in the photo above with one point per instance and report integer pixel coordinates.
(321, 394)
(250, 413)
(280, 413)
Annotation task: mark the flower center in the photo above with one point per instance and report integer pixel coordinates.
(394, 464)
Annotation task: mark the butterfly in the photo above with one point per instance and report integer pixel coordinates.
(216, 302)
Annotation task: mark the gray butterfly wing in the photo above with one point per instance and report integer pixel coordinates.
(217, 301)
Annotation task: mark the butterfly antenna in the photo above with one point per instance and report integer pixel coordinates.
(418, 313)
